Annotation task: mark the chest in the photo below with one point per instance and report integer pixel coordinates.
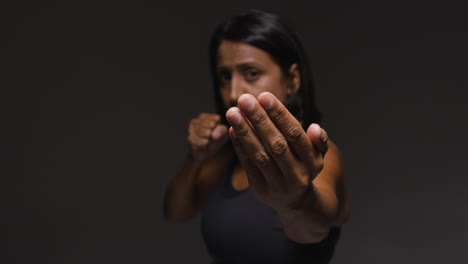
(237, 227)
(239, 179)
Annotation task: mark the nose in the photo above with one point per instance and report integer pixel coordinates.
(236, 89)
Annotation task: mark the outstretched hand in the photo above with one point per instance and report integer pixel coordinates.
(280, 159)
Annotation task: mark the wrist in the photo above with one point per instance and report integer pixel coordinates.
(304, 223)
(195, 160)
(291, 214)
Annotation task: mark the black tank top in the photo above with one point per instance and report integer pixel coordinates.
(237, 228)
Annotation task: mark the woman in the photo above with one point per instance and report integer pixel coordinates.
(257, 170)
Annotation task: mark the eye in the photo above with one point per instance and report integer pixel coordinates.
(224, 76)
(252, 74)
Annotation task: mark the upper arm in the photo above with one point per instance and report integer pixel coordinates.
(331, 183)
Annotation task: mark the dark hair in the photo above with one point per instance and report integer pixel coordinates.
(271, 34)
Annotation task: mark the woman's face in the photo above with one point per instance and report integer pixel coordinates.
(243, 68)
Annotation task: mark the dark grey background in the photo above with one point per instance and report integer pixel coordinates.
(96, 98)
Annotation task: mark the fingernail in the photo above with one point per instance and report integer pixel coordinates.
(317, 127)
(267, 101)
(235, 117)
(247, 103)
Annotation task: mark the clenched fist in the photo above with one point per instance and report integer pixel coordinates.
(206, 136)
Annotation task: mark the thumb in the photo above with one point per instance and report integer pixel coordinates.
(219, 132)
(318, 137)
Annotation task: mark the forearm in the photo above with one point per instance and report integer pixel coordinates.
(181, 193)
(311, 222)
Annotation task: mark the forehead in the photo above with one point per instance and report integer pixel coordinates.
(231, 53)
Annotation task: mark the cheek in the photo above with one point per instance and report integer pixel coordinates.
(225, 98)
(273, 85)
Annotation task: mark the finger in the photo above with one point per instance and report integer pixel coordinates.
(219, 132)
(292, 130)
(210, 116)
(319, 138)
(287, 124)
(253, 148)
(324, 136)
(324, 141)
(200, 131)
(198, 126)
(256, 180)
(273, 141)
(205, 123)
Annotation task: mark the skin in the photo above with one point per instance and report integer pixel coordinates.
(245, 69)
(283, 165)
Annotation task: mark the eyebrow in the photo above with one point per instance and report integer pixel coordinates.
(241, 66)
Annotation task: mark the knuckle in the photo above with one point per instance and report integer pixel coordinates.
(206, 123)
(280, 116)
(222, 128)
(278, 146)
(258, 119)
(210, 116)
(261, 159)
(204, 132)
(242, 132)
(210, 123)
(293, 133)
(216, 117)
